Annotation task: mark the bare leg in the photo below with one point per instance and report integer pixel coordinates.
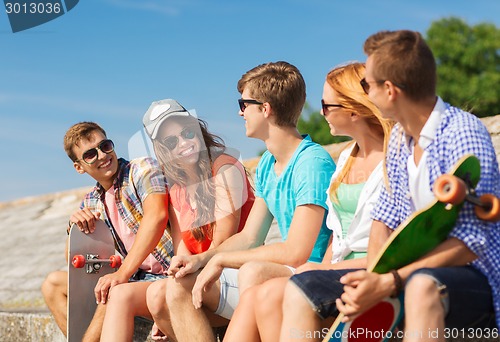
(190, 324)
(299, 317)
(257, 272)
(268, 312)
(157, 305)
(93, 333)
(243, 326)
(124, 303)
(423, 310)
(55, 293)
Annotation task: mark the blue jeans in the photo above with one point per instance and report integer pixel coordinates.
(467, 296)
(468, 293)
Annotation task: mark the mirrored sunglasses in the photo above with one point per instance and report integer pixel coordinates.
(172, 141)
(90, 156)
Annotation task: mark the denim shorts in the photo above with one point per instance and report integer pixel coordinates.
(141, 275)
(321, 289)
(229, 293)
(466, 293)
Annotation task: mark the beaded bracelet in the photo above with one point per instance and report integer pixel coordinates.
(398, 282)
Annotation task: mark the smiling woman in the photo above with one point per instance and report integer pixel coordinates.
(210, 198)
(194, 162)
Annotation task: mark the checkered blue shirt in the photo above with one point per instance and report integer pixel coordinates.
(459, 133)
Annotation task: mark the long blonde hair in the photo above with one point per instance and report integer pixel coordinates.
(344, 80)
(175, 173)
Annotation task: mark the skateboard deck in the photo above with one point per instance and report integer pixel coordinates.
(416, 236)
(82, 279)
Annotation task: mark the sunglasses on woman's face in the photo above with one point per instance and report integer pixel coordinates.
(105, 146)
(172, 141)
(325, 106)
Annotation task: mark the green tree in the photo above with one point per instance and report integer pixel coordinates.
(313, 123)
(468, 61)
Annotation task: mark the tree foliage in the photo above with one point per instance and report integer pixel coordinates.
(468, 61)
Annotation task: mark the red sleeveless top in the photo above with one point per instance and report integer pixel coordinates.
(178, 199)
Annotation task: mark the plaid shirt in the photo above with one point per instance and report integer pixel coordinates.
(459, 133)
(135, 181)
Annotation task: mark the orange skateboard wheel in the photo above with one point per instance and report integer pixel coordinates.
(450, 189)
(78, 261)
(490, 209)
(115, 261)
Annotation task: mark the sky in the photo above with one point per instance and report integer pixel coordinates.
(107, 60)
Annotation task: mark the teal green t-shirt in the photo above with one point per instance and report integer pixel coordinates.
(304, 180)
(345, 207)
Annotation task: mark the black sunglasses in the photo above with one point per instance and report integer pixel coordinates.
(366, 85)
(172, 141)
(324, 106)
(105, 146)
(242, 102)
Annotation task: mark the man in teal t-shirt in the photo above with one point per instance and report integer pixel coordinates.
(291, 182)
(304, 180)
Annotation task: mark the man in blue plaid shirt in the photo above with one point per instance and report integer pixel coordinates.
(457, 285)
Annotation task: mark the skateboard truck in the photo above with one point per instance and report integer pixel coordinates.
(93, 263)
(454, 190)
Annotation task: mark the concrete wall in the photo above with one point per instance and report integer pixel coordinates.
(32, 239)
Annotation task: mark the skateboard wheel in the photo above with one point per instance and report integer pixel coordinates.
(450, 189)
(490, 211)
(78, 261)
(115, 261)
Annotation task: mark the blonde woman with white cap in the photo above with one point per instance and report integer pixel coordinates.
(210, 198)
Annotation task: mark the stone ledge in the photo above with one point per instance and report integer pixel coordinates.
(41, 327)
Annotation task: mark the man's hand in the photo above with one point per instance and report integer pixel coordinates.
(363, 290)
(206, 279)
(182, 265)
(85, 220)
(105, 284)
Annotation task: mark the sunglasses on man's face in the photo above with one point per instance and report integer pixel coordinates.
(366, 84)
(172, 141)
(90, 156)
(243, 102)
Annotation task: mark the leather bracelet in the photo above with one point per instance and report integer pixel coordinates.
(398, 282)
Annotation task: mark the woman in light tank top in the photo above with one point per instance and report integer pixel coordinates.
(353, 191)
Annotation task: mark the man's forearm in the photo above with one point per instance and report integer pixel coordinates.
(279, 253)
(452, 252)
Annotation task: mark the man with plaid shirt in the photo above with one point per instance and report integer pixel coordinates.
(131, 197)
(456, 285)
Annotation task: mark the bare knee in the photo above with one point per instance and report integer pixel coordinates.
(422, 293)
(179, 291)
(249, 297)
(250, 274)
(156, 296)
(269, 297)
(55, 284)
(121, 294)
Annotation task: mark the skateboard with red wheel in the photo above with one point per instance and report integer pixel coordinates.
(416, 236)
(91, 256)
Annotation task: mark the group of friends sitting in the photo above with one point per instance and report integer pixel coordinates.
(192, 227)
